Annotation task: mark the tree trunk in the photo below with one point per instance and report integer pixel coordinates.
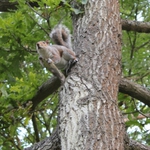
(89, 116)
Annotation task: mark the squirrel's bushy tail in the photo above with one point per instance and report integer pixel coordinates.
(61, 36)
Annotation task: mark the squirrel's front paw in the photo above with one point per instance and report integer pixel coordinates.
(49, 61)
(74, 61)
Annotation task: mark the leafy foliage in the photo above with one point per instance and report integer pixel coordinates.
(136, 66)
(21, 74)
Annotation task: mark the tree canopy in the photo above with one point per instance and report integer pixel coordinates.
(28, 92)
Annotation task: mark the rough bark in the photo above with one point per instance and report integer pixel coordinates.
(135, 90)
(89, 115)
(50, 143)
(53, 143)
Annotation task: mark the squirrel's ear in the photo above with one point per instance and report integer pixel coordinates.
(47, 41)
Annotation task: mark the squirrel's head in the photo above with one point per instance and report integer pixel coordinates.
(41, 44)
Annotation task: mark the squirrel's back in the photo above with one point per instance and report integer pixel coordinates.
(61, 36)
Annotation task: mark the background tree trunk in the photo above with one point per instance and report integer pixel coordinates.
(89, 115)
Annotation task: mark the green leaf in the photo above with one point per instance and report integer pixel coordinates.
(4, 91)
(26, 121)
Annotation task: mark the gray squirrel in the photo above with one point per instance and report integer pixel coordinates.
(60, 54)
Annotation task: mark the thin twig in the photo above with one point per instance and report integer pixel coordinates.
(139, 110)
(39, 25)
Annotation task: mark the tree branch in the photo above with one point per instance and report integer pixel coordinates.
(137, 26)
(45, 90)
(50, 143)
(135, 90)
(139, 117)
(134, 145)
(6, 6)
(36, 132)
